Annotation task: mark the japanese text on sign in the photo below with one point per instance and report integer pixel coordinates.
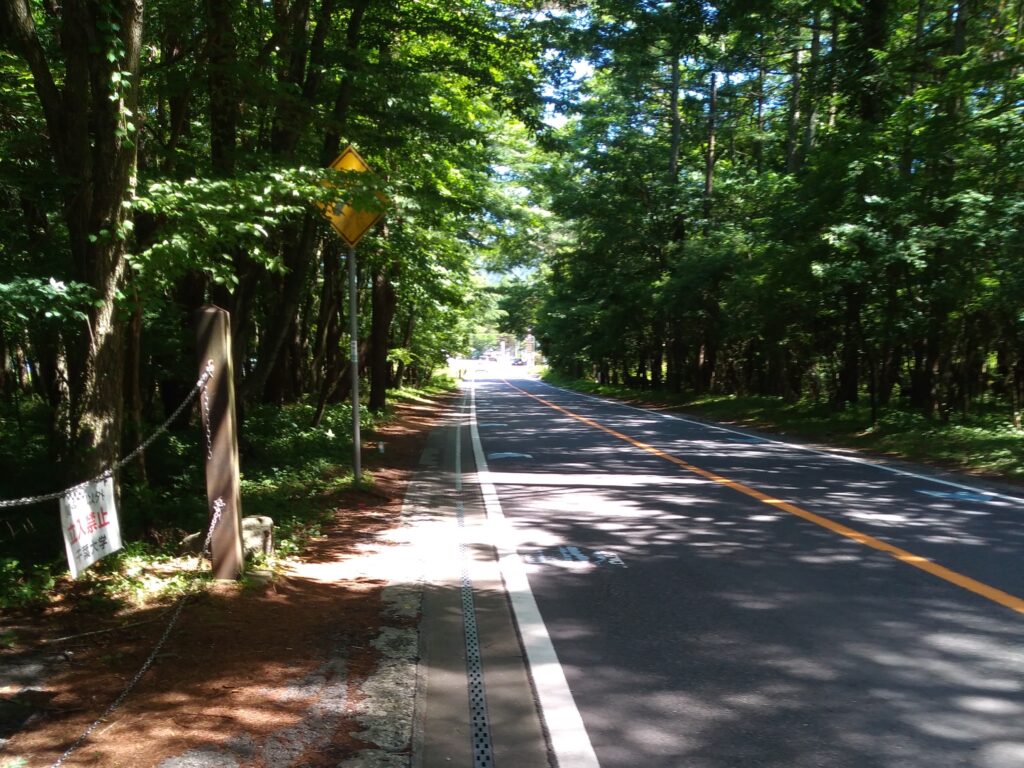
(89, 520)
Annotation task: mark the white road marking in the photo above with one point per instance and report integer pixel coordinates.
(958, 495)
(796, 447)
(572, 553)
(569, 740)
(509, 455)
(572, 557)
(610, 558)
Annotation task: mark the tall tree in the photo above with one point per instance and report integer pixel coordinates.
(84, 59)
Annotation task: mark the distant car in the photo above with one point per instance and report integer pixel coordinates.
(519, 361)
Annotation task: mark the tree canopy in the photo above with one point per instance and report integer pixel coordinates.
(161, 155)
(808, 198)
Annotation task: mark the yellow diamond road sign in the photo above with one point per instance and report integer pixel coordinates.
(346, 220)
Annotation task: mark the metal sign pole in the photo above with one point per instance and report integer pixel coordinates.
(353, 325)
(352, 224)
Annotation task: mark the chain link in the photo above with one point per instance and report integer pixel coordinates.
(182, 601)
(205, 404)
(218, 507)
(200, 385)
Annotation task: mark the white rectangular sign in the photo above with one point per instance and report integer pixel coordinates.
(89, 520)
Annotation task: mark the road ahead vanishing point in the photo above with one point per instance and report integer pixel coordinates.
(717, 599)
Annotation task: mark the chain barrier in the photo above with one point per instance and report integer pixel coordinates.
(182, 601)
(199, 385)
(204, 403)
(218, 507)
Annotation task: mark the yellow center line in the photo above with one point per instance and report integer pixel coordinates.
(1005, 599)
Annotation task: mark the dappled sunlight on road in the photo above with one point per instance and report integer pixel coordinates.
(951, 691)
(930, 525)
(881, 664)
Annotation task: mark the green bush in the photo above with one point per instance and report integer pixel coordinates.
(21, 586)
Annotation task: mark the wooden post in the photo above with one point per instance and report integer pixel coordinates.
(220, 441)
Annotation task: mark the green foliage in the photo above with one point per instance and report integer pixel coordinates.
(290, 467)
(24, 469)
(519, 301)
(289, 470)
(850, 237)
(218, 200)
(208, 219)
(27, 301)
(139, 574)
(22, 586)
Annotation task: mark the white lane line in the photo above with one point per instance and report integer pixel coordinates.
(794, 446)
(458, 453)
(569, 740)
(957, 495)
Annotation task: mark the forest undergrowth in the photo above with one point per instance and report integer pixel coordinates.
(288, 467)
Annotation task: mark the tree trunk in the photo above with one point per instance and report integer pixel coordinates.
(300, 260)
(872, 34)
(675, 122)
(849, 372)
(384, 301)
(9, 369)
(334, 361)
(813, 86)
(89, 122)
(223, 90)
(134, 392)
(410, 326)
(793, 115)
(833, 70)
(286, 306)
(331, 294)
(709, 160)
(1016, 382)
(343, 101)
(303, 76)
(708, 361)
(676, 358)
(759, 116)
(657, 359)
(907, 152)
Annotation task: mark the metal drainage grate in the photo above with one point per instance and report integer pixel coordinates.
(480, 725)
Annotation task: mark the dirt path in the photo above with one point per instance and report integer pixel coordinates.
(313, 668)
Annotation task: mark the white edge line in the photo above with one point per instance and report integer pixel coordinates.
(794, 446)
(458, 453)
(569, 740)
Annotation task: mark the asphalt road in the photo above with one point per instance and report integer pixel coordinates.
(717, 599)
